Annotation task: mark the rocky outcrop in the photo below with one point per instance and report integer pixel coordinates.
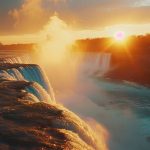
(29, 124)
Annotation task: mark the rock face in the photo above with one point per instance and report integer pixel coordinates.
(29, 124)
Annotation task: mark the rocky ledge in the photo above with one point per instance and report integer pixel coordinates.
(29, 125)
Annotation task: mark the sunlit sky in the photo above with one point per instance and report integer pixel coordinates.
(89, 18)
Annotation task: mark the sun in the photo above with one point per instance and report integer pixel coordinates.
(119, 36)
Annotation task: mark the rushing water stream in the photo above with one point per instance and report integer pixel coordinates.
(123, 108)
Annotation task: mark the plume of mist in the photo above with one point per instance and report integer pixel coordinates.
(64, 69)
(57, 39)
(54, 52)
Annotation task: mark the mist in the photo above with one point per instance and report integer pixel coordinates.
(77, 80)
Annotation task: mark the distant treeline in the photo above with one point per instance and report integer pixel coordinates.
(130, 59)
(28, 47)
(133, 44)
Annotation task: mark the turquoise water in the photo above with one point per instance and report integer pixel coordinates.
(123, 108)
(128, 109)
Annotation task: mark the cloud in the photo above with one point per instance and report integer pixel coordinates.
(30, 16)
(142, 3)
(93, 14)
(33, 14)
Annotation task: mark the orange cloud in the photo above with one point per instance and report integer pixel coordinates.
(30, 16)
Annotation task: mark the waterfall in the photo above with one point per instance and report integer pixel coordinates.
(96, 64)
(39, 92)
(103, 62)
(39, 89)
(22, 87)
(23, 59)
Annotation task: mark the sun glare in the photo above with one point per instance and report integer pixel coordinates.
(119, 36)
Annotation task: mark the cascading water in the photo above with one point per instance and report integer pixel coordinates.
(23, 89)
(96, 63)
(14, 58)
(14, 69)
(104, 62)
